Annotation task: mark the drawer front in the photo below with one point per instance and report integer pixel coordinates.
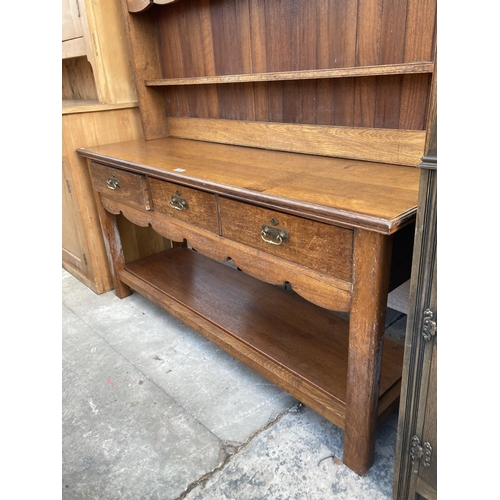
(130, 189)
(186, 204)
(318, 246)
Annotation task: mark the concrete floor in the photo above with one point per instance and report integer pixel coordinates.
(152, 410)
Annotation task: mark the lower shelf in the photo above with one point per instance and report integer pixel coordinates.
(296, 345)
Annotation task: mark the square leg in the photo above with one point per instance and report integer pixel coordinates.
(371, 269)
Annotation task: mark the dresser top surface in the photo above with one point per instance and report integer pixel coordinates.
(374, 196)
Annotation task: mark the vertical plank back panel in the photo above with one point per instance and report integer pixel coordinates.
(335, 100)
(203, 38)
(214, 37)
(320, 102)
(392, 37)
(419, 46)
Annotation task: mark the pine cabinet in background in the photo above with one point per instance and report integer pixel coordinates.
(99, 105)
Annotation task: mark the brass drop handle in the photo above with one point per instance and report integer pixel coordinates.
(274, 235)
(113, 183)
(278, 242)
(178, 203)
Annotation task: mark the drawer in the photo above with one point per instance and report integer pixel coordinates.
(318, 246)
(130, 189)
(189, 205)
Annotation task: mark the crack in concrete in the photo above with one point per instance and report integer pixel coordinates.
(231, 450)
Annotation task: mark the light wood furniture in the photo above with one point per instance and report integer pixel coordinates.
(99, 106)
(284, 136)
(415, 472)
(73, 43)
(94, 36)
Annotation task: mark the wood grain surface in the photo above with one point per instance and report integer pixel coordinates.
(314, 74)
(201, 208)
(131, 189)
(320, 289)
(303, 345)
(372, 195)
(371, 268)
(357, 53)
(399, 147)
(323, 247)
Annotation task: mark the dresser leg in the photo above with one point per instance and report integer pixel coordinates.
(372, 258)
(113, 243)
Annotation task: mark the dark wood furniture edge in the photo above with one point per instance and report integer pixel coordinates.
(419, 350)
(429, 162)
(425, 490)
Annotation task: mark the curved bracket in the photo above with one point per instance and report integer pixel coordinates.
(142, 5)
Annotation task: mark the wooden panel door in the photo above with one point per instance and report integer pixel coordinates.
(74, 248)
(71, 20)
(415, 471)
